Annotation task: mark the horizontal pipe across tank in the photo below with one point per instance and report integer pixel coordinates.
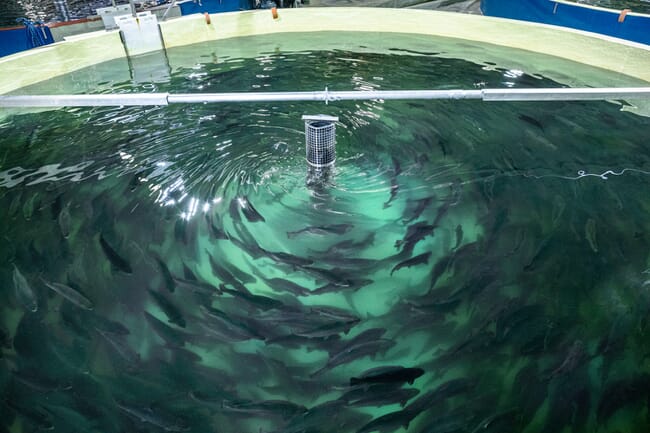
(135, 99)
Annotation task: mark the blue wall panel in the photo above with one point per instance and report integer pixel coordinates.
(634, 28)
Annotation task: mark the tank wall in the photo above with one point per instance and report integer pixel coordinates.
(78, 52)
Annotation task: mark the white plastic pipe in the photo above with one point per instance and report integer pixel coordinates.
(134, 99)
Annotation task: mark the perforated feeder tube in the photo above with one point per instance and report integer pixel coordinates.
(320, 140)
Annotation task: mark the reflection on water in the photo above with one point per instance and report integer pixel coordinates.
(464, 267)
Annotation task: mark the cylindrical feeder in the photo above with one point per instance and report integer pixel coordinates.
(320, 139)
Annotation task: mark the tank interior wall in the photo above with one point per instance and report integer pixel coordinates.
(77, 52)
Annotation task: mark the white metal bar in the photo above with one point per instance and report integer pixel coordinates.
(566, 94)
(120, 99)
(134, 99)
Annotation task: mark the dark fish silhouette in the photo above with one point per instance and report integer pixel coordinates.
(531, 121)
(231, 327)
(287, 259)
(170, 335)
(156, 418)
(256, 301)
(576, 355)
(172, 312)
(333, 276)
(350, 286)
(224, 274)
(349, 245)
(284, 409)
(414, 261)
(233, 210)
(459, 236)
(70, 294)
(64, 221)
(394, 186)
(392, 374)
(118, 262)
(120, 346)
(622, 393)
(215, 231)
(24, 292)
(390, 422)
(337, 229)
(420, 206)
(356, 351)
(414, 234)
(282, 285)
(167, 276)
(378, 395)
(251, 214)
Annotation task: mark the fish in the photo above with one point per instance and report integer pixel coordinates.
(576, 355)
(64, 221)
(357, 263)
(327, 330)
(378, 395)
(120, 346)
(39, 382)
(318, 417)
(167, 276)
(71, 295)
(257, 301)
(502, 422)
(349, 245)
(391, 374)
(355, 351)
(337, 229)
(233, 327)
(251, 214)
(116, 261)
(285, 409)
(233, 210)
(558, 209)
(241, 276)
(531, 121)
(333, 276)
(24, 292)
(33, 413)
(350, 286)
(621, 393)
(282, 285)
(170, 335)
(394, 186)
(224, 275)
(390, 422)
(414, 234)
(30, 206)
(215, 232)
(420, 206)
(172, 312)
(156, 418)
(459, 237)
(590, 234)
(188, 274)
(286, 258)
(195, 286)
(414, 261)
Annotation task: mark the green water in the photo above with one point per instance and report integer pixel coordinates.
(141, 292)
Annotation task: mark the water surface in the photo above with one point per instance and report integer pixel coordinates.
(464, 267)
